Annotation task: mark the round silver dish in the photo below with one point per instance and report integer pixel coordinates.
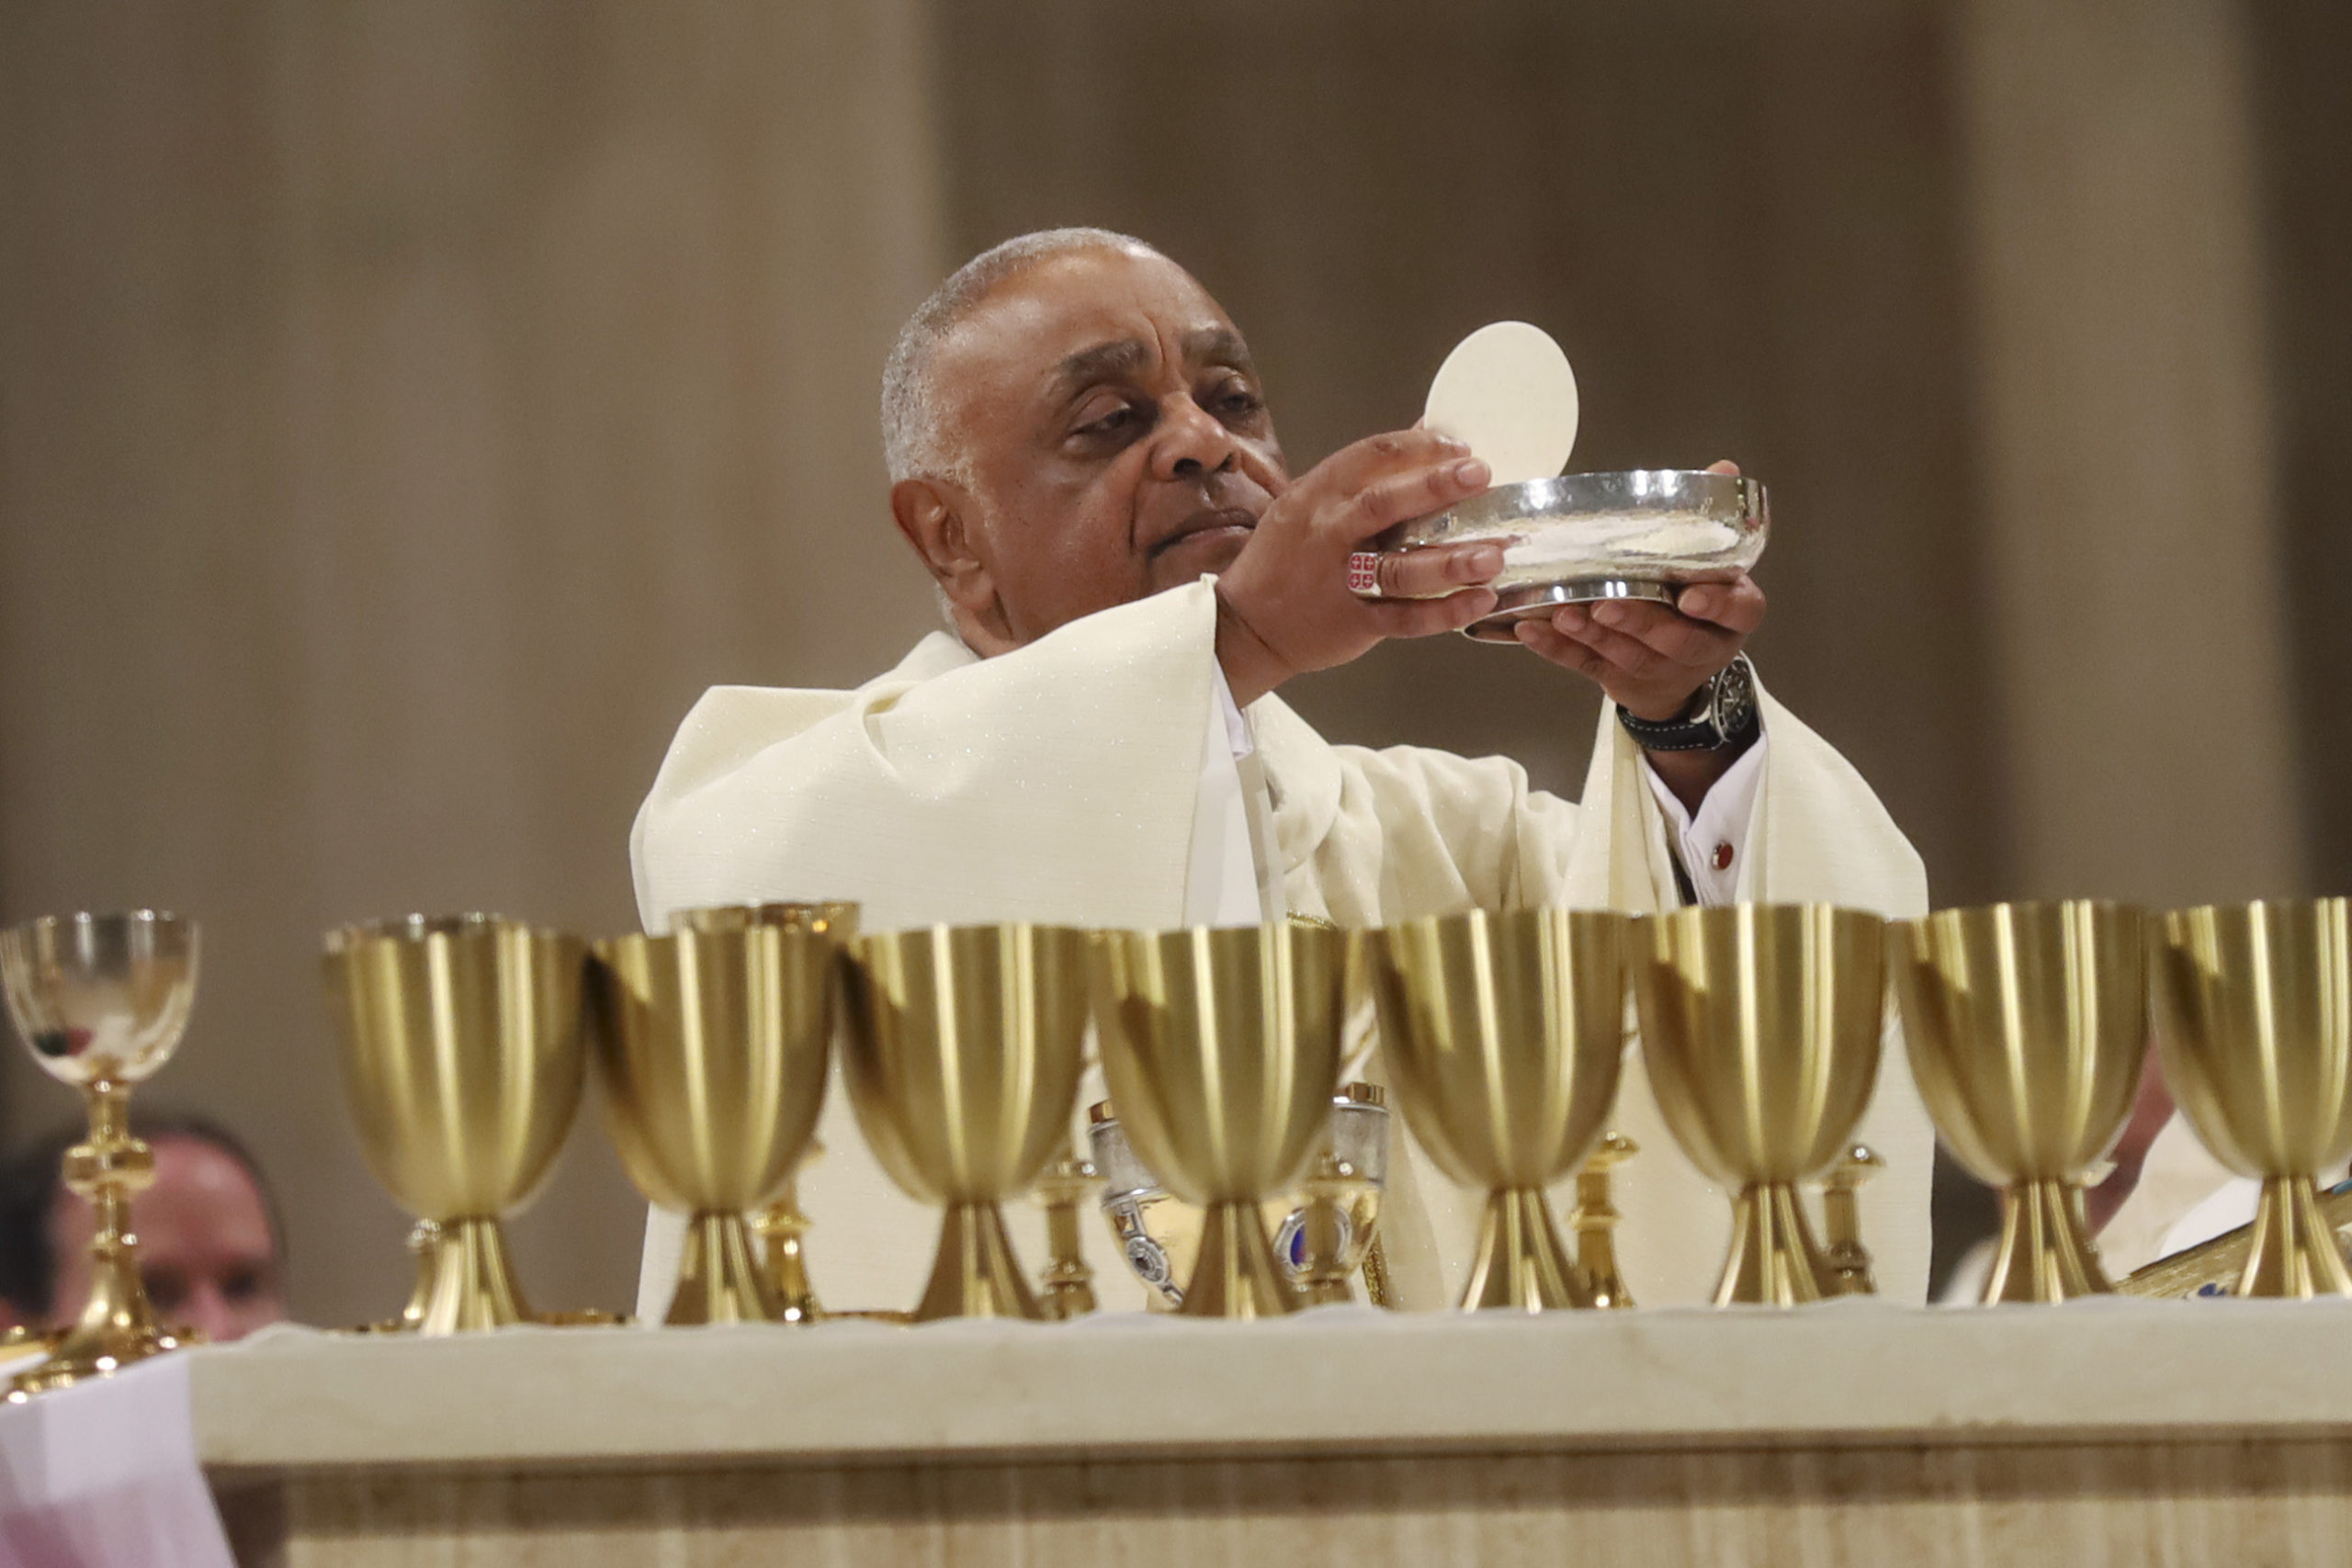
(1582, 537)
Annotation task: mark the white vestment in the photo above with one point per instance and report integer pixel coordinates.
(1064, 783)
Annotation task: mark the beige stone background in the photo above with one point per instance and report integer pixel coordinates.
(408, 406)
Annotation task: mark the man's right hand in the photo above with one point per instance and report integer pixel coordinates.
(1283, 606)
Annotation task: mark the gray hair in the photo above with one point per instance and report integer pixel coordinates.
(913, 444)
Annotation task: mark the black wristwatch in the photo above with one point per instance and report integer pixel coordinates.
(1724, 715)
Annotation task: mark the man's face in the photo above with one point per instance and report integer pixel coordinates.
(1108, 415)
(206, 1248)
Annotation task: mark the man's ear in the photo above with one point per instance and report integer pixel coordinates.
(932, 514)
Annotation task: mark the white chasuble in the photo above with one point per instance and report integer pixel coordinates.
(1091, 778)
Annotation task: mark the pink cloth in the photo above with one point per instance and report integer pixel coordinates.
(105, 1475)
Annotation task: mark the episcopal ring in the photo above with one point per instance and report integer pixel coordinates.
(1363, 574)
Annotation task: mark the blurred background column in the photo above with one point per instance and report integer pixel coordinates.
(407, 407)
(2130, 515)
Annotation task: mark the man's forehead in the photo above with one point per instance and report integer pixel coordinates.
(1090, 312)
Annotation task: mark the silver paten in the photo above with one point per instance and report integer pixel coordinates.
(1582, 537)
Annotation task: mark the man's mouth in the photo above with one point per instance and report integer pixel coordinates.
(1216, 522)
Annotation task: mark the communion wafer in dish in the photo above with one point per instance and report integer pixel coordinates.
(1507, 393)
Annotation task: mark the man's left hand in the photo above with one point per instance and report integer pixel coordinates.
(1652, 659)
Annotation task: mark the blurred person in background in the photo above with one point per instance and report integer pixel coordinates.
(210, 1247)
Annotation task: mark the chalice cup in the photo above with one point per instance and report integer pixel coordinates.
(1760, 1027)
(1504, 1035)
(1222, 1052)
(711, 1046)
(962, 1049)
(101, 1000)
(464, 1045)
(2026, 1026)
(782, 1227)
(2253, 1009)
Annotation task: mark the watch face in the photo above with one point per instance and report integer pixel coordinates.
(1735, 699)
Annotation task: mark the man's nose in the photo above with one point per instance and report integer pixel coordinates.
(1191, 441)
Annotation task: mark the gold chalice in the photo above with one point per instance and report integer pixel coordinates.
(964, 1048)
(464, 1053)
(102, 1001)
(1504, 1034)
(1222, 1052)
(2253, 1009)
(711, 1047)
(782, 1227)
(1761, 1028)
(2026, 1025)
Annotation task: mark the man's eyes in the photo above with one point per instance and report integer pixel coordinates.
(1231, 402)
(1112, 423)
(166, 1290)
(1240, 403)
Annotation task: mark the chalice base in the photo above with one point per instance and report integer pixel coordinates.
(2045, 1254)
(2294, 1250)
(719, 1280)
(1773, 1259)
(975, 1274)
(473, 1282)
(117, 1328)
(1235, 1274)
(1521, 1265)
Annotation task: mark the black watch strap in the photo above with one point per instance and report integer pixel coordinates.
(1726, 714)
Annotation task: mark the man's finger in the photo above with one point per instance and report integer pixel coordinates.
(1693, 644)
(1414, 493)
(1628, 656)
(1567, 653)
(1354, 466)
(1427, 573)
(1724, 466)
(1737, 606)
(1427, 617)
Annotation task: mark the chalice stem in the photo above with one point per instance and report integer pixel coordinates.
(473, 1282)
(1773, 1257)
(974, 1274)
(2294, 1250)
(782, 1226)
(720, 1279)
(1236, 1274)
(424, 1248)
(112, 1166)
(2046, 1254)
(1324, 1238)
(117, 1326)
(1521, 1265)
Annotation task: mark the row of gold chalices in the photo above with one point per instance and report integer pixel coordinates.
(2028, 1026)
(1761, 1028)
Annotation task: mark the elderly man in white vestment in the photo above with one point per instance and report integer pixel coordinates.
(1083, 455)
